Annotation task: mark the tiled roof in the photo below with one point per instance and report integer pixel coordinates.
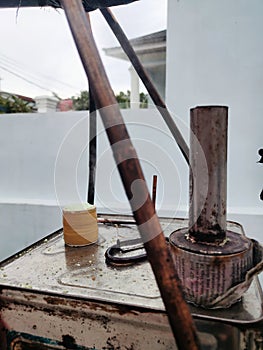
(22, 97)
(158, 37)
(151, 44)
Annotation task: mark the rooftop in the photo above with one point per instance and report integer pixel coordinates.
(154, 43)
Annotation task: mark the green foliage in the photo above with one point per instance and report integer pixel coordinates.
(14, 104)
(81, 103)
(143, 100)
(123, 99)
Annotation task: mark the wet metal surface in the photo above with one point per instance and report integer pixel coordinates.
(51, 267)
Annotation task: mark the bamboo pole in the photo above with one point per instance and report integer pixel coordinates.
(130, 171)
(157, 99)
(92, 146)
(154, 188)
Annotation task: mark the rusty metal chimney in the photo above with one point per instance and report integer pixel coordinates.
(210, 257)
(208, 175)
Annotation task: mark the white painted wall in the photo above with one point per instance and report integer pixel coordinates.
(215, 56)
(156, 149)
(29, 145)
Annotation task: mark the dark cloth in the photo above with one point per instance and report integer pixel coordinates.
(89, 5)
(260, 152)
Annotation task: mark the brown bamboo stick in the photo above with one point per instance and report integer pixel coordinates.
(133, 180)
(92, 146)
(154, 188)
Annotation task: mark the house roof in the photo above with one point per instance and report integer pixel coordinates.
(153, 38)
(89, 5)
(148, 47)
(22, 97)
(25, 98)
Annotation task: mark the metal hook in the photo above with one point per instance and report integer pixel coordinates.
(113, 256)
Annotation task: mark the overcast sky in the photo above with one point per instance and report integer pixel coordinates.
(37, 45)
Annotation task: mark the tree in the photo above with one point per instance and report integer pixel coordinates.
(143, 100)
(14, 104)
(123, 99)
(81, 103)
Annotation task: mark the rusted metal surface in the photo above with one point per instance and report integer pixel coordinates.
(213, 263)
(114, 221)
(235, 244)
(158, 252)
(207, 277)
(93, 325)
(92, 147)
(157, 99)
(74, 324)
(50, 267)
(53, 291)
(216, 276)
(207, 215)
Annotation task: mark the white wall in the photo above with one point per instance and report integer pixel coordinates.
(215, 56)
(29, 146)
(156, 149)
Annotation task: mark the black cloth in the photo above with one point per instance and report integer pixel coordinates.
(260, 152)
(89, 5)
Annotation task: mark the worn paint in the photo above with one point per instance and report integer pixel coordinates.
(24, 341)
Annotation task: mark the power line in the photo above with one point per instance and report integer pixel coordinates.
(5, 64)
(25, 79)
(18, 65)
(15, 65)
